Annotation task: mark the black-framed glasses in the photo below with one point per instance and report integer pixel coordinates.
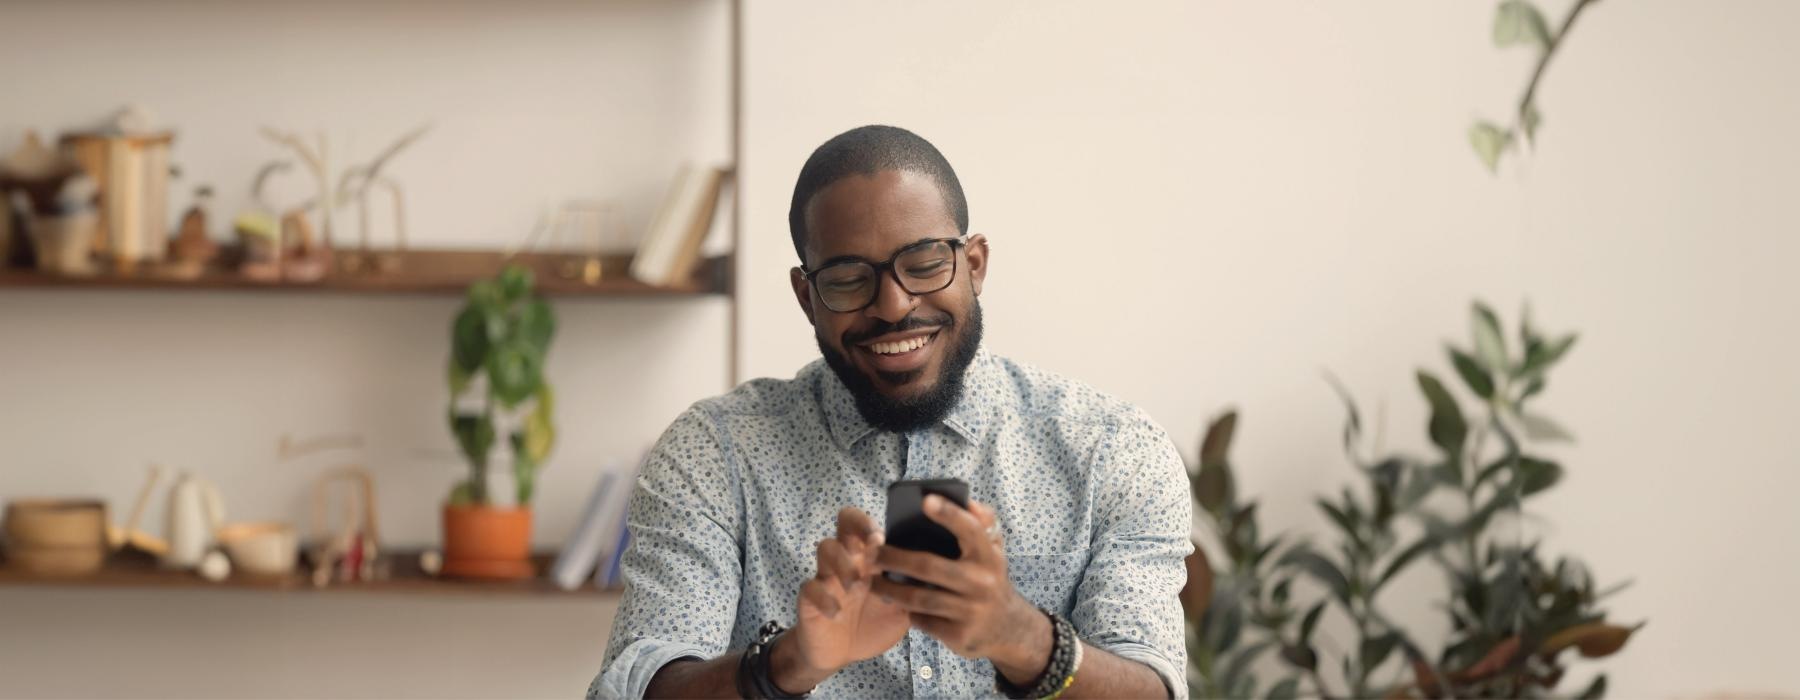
(921, 268)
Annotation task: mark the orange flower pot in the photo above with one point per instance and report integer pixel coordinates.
(487, 543)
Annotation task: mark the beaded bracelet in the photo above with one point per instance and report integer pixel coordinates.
(1059, 673)
(753, 679)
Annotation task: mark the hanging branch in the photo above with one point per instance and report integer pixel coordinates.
(1519, 22)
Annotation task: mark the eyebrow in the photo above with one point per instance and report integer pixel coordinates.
(857, 258)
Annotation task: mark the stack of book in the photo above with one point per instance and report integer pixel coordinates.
(671, 247)
(598, 542)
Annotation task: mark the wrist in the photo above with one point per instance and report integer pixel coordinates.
(791, 671)
(1025, 659)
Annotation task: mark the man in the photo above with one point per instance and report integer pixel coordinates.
(754, 507)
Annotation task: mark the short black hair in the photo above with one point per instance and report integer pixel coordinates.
(866, 150)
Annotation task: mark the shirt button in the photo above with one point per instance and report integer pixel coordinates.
(925, 672)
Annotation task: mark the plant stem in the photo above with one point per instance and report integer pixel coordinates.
(1555, 41)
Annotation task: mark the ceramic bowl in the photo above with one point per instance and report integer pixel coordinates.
(261, 548)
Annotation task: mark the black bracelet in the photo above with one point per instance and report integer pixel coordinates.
(753, 679)
(1059, 673)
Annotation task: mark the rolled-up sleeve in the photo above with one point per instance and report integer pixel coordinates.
(1129, 599)
(683, 568)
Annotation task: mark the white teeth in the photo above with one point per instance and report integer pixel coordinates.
(898, 347)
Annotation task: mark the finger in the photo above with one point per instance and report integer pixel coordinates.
(859, 534)
(836, 564)
(970, 534)
(816, 594)
(921, 600)
(853, 525)
(984, 514)
(923, 566)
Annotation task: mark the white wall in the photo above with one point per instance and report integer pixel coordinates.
(1266, 190)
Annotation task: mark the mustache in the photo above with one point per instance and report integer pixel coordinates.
(912, 322)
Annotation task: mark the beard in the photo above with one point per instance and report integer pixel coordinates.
(899, 415)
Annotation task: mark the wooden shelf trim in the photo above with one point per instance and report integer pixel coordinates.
(419, 272)
(405, 578)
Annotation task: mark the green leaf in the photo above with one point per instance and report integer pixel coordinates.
(1489, 141)
(1300, 655)
(462, 494)
(1541, 357)
(468, 340)
(459, 378)
(1595, 690)
(1320, 568)
(1375, 650)
(1518, 22)
(1447, 427)
(1224, 619)
(486, 294)
(539, 434)
(1352, 419)
(1217, 442)
(1310, 621)
(1339, 517)
(514, 372)
(1240, 662)
(515, 282)
(1490, 346)
(1472, 374)
(537, 325)
(1287, 689)
(474, 434)
(1425, 543)
(1541, 428)
(1535, 475)
(1529, 120)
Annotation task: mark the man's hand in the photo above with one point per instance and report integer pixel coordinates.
(975, 611)
(841, 622)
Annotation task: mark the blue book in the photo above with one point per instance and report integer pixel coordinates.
(581, 551)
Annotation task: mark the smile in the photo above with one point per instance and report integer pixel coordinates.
(901, 346)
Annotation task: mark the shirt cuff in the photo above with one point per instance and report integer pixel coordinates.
(629, 674)
(1173, 678)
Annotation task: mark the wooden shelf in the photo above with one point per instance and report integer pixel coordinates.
(416, 272)
(125, 572)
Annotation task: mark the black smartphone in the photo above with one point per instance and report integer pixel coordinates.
(909, 528)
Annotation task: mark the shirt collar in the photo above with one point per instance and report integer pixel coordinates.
(968, 419)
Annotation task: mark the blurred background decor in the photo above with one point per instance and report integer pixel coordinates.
(1513, 613)
(501, 414)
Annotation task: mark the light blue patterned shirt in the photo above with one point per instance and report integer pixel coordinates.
(732, 502)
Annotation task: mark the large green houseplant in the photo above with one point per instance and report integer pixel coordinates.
(501, 412)
(1514, 616)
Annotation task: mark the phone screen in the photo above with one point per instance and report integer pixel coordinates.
(909, 528)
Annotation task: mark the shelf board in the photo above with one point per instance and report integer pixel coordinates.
(417, 272)
(405, 578)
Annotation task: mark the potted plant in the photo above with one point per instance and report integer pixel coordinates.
(501, 414)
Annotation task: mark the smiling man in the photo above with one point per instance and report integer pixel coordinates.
(755, 568)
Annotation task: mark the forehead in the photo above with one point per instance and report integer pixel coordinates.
(871, 216)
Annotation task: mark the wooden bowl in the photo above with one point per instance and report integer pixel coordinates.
(56, 562)
(56, 524)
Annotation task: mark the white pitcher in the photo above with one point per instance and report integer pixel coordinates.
(195, 513)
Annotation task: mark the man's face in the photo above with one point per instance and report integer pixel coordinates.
(871, 217)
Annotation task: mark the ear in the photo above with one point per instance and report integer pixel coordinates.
(802, 293)
(977, 252)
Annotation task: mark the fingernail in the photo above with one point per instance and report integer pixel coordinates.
(879, 539)
(933, 502)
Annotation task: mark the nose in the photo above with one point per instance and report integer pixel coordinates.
(892, 302)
